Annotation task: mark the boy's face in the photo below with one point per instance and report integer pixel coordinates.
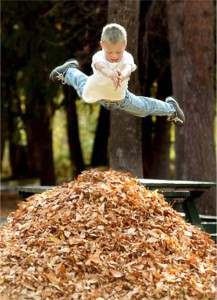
(113, 52)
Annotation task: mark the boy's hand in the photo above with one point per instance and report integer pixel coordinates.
(116, 77)
(118, 80)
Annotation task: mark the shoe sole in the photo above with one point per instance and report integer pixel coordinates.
(74, 61)
(179, 111)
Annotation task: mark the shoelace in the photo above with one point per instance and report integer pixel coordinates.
(60, 77)
(175, 119)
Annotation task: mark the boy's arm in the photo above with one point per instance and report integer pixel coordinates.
(103, 68)
(126, 71)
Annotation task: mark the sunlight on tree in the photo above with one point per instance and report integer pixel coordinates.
(6, 167)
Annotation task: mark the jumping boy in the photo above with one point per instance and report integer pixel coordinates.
(112, 67)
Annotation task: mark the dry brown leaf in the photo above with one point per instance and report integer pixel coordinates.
(116, 274)
(104, 236)
(94, 259)
(52, 278)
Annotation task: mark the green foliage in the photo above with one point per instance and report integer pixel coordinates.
(60, 146)
(36, 36)
(87, 121)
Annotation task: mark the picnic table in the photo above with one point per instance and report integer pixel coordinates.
(175, 192)
(193, 190)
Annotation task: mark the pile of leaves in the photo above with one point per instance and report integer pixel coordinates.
(103, 236)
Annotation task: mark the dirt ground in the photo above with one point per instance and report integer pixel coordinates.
(9, 202)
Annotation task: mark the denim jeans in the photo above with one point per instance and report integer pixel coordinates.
(135, 105)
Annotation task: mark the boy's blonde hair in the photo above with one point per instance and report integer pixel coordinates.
(114, 33)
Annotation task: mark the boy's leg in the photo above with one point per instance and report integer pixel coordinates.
(77, 79)
(69, 74)
(144, 106)
(140, 106)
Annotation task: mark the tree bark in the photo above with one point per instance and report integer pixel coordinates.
(191, 25)
(72, 132)
(5, 108)
(161, 161)
(43, 133)
(100, 148)
(39, 113)
(125, 130)
(17, 151)
(32, 153)
(156, 75)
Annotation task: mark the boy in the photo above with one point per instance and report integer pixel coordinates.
(112, 67)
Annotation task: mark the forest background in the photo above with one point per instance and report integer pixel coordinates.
(49, 135)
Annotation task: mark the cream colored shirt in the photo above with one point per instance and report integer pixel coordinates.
(99, 87)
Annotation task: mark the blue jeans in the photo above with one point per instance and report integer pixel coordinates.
(135, 105)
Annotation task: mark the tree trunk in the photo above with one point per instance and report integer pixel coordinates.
(17, 152)
(3, 134)
(32, 153)
(43, 134)
(100, 148)
(147, 128)
(191, 25)
(125, 130)
(5, 106)
(72, 131)
(156, 77)
(39, 116)
(161, 161)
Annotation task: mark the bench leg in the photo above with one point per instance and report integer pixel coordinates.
(191, 212)
(24, 195)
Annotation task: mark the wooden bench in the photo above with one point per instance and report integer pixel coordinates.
(210, 225)
(175, 192)
(174, 197)
(196, 189)
(26, 191)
